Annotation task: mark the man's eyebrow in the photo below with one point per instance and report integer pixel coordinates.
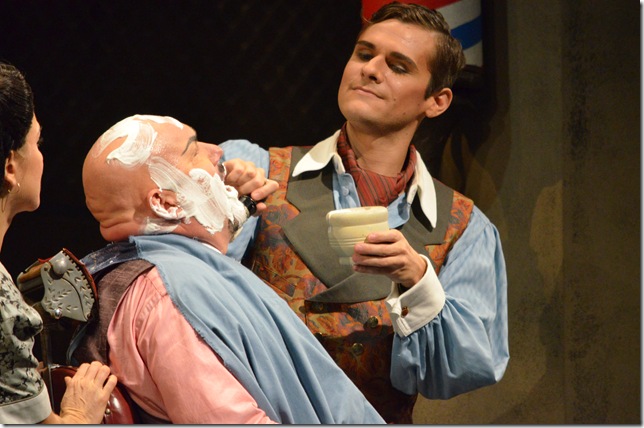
(191, 140)
(404, 58)
(365, 44)
(400, 57)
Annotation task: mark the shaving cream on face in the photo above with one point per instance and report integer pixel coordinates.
(221, 197)
(200, 195)
(140, 138)
(156, 226)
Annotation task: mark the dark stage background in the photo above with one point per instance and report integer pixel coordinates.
(260, 70)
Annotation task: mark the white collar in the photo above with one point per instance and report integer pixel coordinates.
(320, 155)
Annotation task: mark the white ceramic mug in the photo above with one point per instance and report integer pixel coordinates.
(350, 226)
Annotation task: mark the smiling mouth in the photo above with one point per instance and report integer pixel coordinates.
(363, 90)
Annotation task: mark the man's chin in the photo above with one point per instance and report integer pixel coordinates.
(360, 112)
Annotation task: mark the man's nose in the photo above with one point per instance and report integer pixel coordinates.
(373, 69)
(214, 152)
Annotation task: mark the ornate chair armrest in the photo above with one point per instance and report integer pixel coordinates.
(61, 284)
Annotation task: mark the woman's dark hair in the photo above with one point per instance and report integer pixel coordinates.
(449, 59)
(16, 111)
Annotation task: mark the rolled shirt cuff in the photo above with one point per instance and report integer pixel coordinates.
(417, 306)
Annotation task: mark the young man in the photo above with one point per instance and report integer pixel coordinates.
(432, 316)
(194, 335)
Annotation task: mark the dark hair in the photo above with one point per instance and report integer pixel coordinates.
(16, 111)
(449, 59)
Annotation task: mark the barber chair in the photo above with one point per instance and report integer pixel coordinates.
(64, 293)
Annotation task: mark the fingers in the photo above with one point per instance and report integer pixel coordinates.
(244, 176)
(110, 384)
(90, 371)
(87, 394)
(101, 373)
(263, 191)
(250, 180)
(389, 253)
(381, 244)
(81, 371)
(95, 372)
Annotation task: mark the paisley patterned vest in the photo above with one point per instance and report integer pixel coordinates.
(345, 310)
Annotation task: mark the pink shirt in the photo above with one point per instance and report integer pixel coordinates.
(167, 368)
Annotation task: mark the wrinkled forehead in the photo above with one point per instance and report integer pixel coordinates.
(141, 139)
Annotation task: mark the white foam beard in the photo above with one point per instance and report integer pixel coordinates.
(200, 196)
(221, 202)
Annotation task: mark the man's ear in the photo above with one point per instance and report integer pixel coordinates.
(438, 102)
(164, 204)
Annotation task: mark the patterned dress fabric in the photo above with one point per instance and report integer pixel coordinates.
(23, 396)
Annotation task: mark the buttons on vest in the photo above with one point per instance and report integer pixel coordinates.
(372, 322)
(357, 349)
(404, 312)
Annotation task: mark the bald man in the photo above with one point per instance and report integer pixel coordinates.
(193, 335)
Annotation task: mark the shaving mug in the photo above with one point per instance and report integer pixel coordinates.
(350, 226)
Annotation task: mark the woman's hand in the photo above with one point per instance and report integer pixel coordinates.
(87, 393)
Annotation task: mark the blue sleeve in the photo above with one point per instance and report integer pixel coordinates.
(466, 346)
(244, 149)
